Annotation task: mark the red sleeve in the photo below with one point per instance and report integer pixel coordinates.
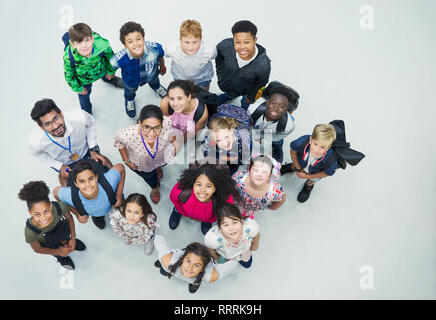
(230, 199)
(174, 197)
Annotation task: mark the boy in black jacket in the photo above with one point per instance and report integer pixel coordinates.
(242, 65)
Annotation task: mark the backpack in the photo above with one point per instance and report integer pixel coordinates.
(235, 112)
(98, 166)
(66, 40)
(342, 148)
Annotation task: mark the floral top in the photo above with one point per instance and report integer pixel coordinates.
(249, 204)
(130, 139)
(137, 233)
(214, 239)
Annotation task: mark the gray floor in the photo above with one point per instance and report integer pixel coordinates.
(379, 214)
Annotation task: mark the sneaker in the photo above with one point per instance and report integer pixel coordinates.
(80, 246)
(287, 168)
(99, 222)
(205, 226)
(162, 92)
(157, 264)
(149, 247)
(304, 193)
(66, 262)
(116, 82)
(174, 219)
(163, 272)
(193, 288)
(130, 109)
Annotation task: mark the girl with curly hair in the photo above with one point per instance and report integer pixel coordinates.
(50, 230)
(199, 193)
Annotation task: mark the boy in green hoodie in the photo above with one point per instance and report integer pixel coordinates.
(86, 59)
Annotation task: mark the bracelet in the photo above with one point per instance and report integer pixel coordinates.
(126, 161)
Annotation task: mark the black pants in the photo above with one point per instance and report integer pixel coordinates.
(150, 178)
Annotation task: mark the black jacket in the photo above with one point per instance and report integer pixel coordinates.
(247, 80)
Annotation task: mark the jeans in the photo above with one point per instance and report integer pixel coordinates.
(203, 84)
(277, 150)
(130, 92)
(244, 103)
(84, 99)
(150, 177)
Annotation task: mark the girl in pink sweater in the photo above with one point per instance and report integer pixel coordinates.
(200, 192)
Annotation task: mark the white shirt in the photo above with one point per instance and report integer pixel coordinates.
(80, 127)
(197, 68)
(270, 127)
(243, 63)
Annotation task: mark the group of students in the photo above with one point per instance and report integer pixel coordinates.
(222, 189)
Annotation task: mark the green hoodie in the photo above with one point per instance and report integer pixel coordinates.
(88, 70)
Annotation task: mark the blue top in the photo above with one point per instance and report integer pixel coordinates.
(299, 145)
(99, 206)
(135, 71)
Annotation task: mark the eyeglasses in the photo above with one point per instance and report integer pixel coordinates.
(56, 119)
(147, 129)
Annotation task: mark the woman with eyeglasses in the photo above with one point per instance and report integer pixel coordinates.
(147, 146)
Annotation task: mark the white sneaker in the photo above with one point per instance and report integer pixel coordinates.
(130, 109)
(162, 92)
(149, 245)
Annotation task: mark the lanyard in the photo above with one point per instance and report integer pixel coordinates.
(157, 146)
(306, 154)
(69, 143)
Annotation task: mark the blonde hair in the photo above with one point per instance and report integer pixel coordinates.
(324, 132)
(219, 123)
(190, 27)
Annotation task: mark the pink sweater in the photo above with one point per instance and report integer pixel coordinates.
(194, 208)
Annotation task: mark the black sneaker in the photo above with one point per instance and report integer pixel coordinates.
(130, 108)
(174, 219)
(99, 222)
(193, 288)
(157, 264)
(287, 168)
(205, 226)
(163, 272)
(304, 193)
(116, 82)
(161, 91)
(66, 262)
(80, 246)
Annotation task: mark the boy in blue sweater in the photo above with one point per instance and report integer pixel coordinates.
(141, 62)
(313, 158)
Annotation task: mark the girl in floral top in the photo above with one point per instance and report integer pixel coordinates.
(135, 222)
(147, 146)
(233, 237)
(258, 187)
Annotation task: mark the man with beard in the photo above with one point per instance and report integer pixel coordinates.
(272, 115)
(64, 139)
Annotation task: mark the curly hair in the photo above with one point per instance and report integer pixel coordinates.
(141, 201)
(199, 250)
(220, 178)
(130, 27)
(33, 192)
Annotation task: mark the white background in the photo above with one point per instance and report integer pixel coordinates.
(380, 213)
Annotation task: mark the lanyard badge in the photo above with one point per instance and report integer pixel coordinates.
(73, 156)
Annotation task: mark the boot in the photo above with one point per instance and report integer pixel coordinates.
(304, 193)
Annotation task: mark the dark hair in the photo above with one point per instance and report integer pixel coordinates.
(33, 192)
(150, 111)
(228, 210)
(82, 165)
(244, 26)
(41, 108)
(263, 159)
(141, 201)
(187, 86)
(220, 178)
(130, 27)
(79, 32)
(199, 250)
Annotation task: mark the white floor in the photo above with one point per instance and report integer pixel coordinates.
(379, 214)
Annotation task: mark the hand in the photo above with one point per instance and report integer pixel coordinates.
(119, 201)
(84, 92)
(131, 165)
(65, 171)
(97, 156)
(63, 251)
(302, 174)
(72, 244)
(110, 76)
(83, 219)
(254, 246)
(162, 70)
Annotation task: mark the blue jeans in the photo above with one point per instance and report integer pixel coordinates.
(244, 103)
(84, 100)
(130, 92)
(277, 150)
